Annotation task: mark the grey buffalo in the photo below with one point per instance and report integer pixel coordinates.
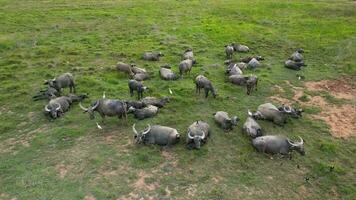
(240, 48)
(203, 82)
(253, 64)
(224, 121)
(270, 112)
(167, 74)
(186, 66)
(233, 70)
(297, 55)
(291, 64)
(152, 56)
(137, 86)
(143, 113)
(251, 84)
(251, 127)
(290, 111)
(126, 68)
(197, 135)
(160, 103)
(229, 51)
(135, 104)
(137, 70)
(63, 81)
(141, 76)
(274, 144)
(106, 107)
(58, 106)
(249, 58)
(160, 135)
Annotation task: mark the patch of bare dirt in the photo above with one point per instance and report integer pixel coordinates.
(341, 119)
(140, 184)
(89, 197)
(340, 88)
(62, 170)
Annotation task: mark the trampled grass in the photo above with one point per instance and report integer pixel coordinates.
(70, 158)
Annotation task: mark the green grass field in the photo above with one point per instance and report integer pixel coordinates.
(70, 158)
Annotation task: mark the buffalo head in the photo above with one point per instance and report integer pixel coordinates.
(140, 136)
(91, 109)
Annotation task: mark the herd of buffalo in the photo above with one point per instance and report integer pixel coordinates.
(199, 131)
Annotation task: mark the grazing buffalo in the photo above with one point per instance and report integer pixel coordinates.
(152, 56)
(58, 106)
(137, 86)
(240, 48)
(203, 82)
(270, 112)
(143, 113)
(167, 74)
(186, 66)
(251, 127)
(160, 103)
(160, 135)
(48, 93)
(197, 135)
(224, 121)
(229, 51)
(126, 68)
(63, 81)
(188, 54)
(291, 64)
(106, 107)
(273, 144)
(297, 55)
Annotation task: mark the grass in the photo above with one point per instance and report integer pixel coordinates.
(42, 39)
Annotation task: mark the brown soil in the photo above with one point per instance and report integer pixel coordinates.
(89, 197)
(62, 170)
(341, 119)
(140, 184)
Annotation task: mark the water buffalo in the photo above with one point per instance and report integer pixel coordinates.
(141, 76)
(58, 106)
(203, 82)
(160, 135)
(126, 68)
(240, 47)
(251, 127)
(135, 104)
(48, 93)
(143, 113)
(137, 86)
(233, 70)
(291, 64)
(253, 64)
(290, 111)
(188, 54)
(297, 55)
(160, 103)
(274, 144)
(224, 121)
(62, 81)
(229, 50)
(167, 74)
(197, 135)
(137, 70)
(270, 112)
(152, 56)
(251, 84)
(106, 107)
(186, 66)
(238, 79)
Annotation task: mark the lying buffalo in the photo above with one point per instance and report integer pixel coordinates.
(48, 93)
(251, 127)
(224, 121)
(155, 101)
(188, 54)
(106, 107)
(58, 106)
(161, 135)
(297, 55)
(152, 56)
(143, 113)
(197, 135)
(270, 112)
(273, 144)
(290, 111)
(291, 64)
(63, 81)
(167, 74)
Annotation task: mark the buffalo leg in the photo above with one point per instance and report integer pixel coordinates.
(131, 92)
(206, 92)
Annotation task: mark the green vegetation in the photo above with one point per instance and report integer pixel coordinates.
(70, 158)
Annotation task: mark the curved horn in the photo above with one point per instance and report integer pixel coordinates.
(96, 105)
(288, 110)
(46, 109)
(82, 107)
(59, 106)
(301, 140)
(134, 129)
(148, 130)
(190, 136)
(202, 137)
